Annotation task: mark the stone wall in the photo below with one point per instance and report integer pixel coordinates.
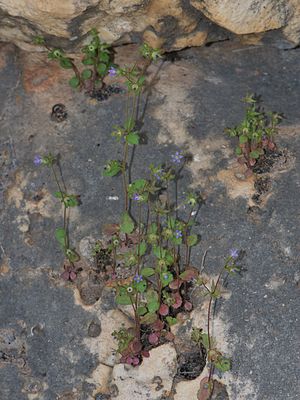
(171, 24)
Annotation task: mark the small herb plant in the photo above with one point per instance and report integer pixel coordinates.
(68, 201)
(255, 134)
(215, 358)
(146, 257)
(97, 62)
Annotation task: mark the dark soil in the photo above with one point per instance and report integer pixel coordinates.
(104, 93)
(191, 363)
(265, 163)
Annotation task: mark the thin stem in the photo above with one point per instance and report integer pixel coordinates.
(124, 175)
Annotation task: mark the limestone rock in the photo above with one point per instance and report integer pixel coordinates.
(170, 24)
(151, 380)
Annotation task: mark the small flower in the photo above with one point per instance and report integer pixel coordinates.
(136, 197)
(177, 157)
(166, 276)
(178, 234)
(234, 253)
(38, 160)
(112, 72)
(129, 289)
(138, 278)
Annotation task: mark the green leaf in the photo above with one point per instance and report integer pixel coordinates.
(141, 310)
(104, 57)
(171, 321)
(72, 255)
(87, 61)
(129, 124)
(123, 299)
(70, 200)
(153, 306)
(192, 240)
(65, 63)
(101, 69)
(141, 286)
(147, 271)
(166, 278)
(254, 154)
(204, 340)
(112, 168)
(141, 249)
(243, 139)
(127, 224)
(223, 364)
(238, 151)
(60, 235)
(74, 82)
(132, 138)
(149, 318)
(86, 74)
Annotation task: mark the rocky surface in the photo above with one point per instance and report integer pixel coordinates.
(55, 342)
(169, 24)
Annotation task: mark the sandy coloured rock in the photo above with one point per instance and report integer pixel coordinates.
(170, 24)
(150, 380)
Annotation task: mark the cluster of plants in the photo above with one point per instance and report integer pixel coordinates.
(148, 253)
(255, 133)
(97, 62)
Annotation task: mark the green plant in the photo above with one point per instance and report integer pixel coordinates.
(255, 133)
(97, 62)
(215, 358)
(68, 201)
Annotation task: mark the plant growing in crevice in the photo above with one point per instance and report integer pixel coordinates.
(97, 62)
(255, 133)
(68, 201)
(214, 357)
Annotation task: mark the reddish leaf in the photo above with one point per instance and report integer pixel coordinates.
(175, 285)
(153, 338)
(170, 336)
(72, 276)
(271, 145)
(204, 392)
(65, 275)
(189, 274)
(129, 360)
(135, 361)
(188, 305)
(178, 300)
(111, 229)
(163, 310)
(136, 346)
(145, 353)
(158, 325)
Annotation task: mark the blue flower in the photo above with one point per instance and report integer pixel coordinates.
(138, 278)
(166, 276)
(177, 157)
(234, 253)
(178, 234)
(112, 72)
(38, 160)
(136, 197)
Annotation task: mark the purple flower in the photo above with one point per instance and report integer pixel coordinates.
(136, 197)
(178, 234)
(38, 160)
(138, 278)
(112, 72)
(177, 157)
(234, 253)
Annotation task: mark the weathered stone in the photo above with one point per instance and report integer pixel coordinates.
(170, 24)
(151, 380)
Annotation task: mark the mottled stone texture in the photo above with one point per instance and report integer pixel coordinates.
(170, 24)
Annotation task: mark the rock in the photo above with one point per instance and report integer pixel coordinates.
(151, 380)
(170, 24)
(94, 329)
(104, 346)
